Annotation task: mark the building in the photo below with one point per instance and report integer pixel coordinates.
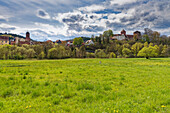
(122, 36)
(4, 40)
(21, 41)
(69, 43)
(58, 42)
(49, 42)
(118, 37)
(138, 34)
(89, 42)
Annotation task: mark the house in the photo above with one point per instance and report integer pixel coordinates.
(64, 42)
(118, 37)
(58, 42)
(122, 36)
(49, 41)
(4, 40)
(138, 33)
(69, 43)
(89, 42)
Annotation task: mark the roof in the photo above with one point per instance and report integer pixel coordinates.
(48, 41)
(58, 41)
(137, 32)
(129, 36)
(4, 38)
(117, 35)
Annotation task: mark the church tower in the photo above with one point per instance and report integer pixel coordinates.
(123, 32)
(28, 36)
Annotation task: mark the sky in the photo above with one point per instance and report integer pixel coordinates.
(66, 19)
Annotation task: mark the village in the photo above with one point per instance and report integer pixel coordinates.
(15, 40)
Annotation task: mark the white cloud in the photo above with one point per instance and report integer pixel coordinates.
(92, 8)
(4, 17)
(121, 2)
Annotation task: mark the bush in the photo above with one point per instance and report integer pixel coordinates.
(100, 54)
(148, 52)
(30, 53)
(58, 52)
(126, 52)
(53, 53)
(90, 55)
(41, 55)
(112, 55)
(19, 53)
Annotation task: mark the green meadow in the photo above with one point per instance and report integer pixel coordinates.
(85, 86)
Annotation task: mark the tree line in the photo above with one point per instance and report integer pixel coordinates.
(151, 44)
(114, 50)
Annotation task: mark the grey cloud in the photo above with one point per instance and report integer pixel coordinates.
(73, 18)
(76, 27)
(7, 29)
(2, 20)
(43, 14)
(94, 28)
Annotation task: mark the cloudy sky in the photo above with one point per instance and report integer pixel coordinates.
(65, 19)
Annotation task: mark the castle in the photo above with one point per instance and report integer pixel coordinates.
(123, 35)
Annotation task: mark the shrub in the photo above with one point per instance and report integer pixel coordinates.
(126, 52)
(30, 53)
(58, 52)
(112, 55)
(148, 52)
(100, 54)
(41, 55)
(90, 55)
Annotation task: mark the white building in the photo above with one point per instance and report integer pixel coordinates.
(89, 42)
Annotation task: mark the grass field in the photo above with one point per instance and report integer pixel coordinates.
(85, 86)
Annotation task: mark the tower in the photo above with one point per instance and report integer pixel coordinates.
(123, 32)
(28, 36)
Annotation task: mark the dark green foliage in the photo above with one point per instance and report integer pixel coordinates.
(78, 41)
(100, 54)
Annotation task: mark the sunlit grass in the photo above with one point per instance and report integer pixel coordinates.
(85, 85)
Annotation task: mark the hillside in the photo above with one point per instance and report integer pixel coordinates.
(14, 35)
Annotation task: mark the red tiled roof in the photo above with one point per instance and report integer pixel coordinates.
(129, 36)
(48, 41)
(117, 35)
(4, 38)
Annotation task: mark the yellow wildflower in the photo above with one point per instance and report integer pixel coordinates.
(163, 106)
(30, 106)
